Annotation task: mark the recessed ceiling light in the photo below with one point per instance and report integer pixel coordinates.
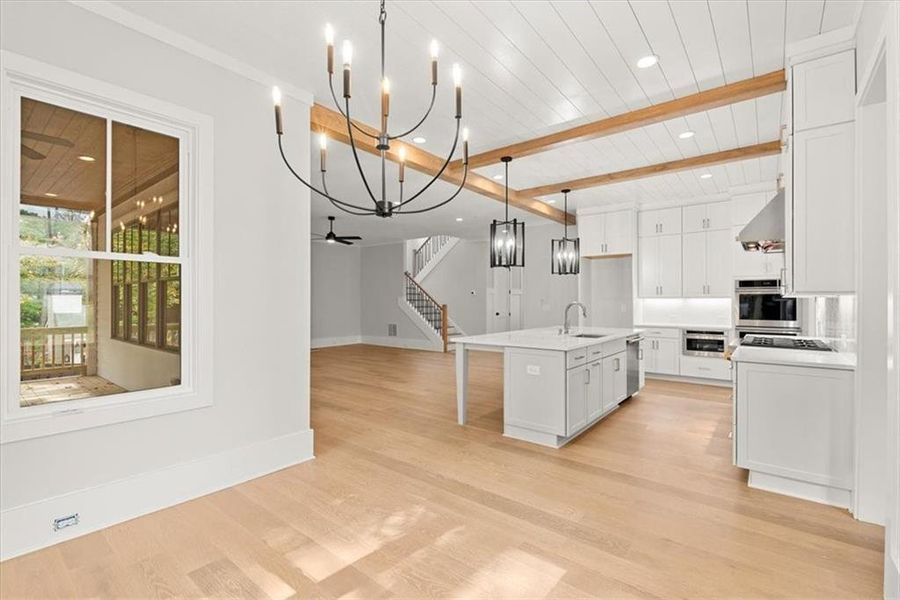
(706, 176)
(645, 62)
(686, 134)
(459, 219)
(498, 177)
(419, 140)
(50, 194)
(86, 158)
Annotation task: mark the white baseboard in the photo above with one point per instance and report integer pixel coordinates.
(326, 342)
(28, 527)
(680, 379)
(395, 342)
(823, 494)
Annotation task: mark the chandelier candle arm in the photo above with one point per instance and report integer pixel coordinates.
(385, 104)
(359, 168)
(348, 58)
(457, 83)
(323, 149)
(402, 171)
(442, 169)
(434, 66)
(329, 49)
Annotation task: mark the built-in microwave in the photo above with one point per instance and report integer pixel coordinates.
(701, 342)
(759, 303)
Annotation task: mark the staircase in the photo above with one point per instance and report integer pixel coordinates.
(432, 250)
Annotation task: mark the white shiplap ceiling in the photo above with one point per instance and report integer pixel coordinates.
(532, 67)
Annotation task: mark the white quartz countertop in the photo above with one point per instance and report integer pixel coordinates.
(546, 338)
(800, 358)
(703, 327)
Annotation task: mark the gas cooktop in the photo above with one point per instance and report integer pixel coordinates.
(790, 343)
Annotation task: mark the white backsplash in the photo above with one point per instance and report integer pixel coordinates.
(836, 318)
(683, 311)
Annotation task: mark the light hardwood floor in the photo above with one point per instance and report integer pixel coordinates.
(401, 502)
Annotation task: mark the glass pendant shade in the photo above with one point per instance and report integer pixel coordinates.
(508, 243)
(507, 236)
(565, 252)
(565, 256)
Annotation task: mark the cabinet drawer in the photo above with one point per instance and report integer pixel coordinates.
(661, 332)
(613, 347)
(576, 358)
(705, 366)
(595, 352)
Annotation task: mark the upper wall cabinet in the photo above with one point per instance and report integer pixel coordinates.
(606, 234)
(824, 90)
(819, 178)
(659, 222)
(706, 217)
(659, 266)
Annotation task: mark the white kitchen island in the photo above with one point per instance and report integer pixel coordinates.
(555, 386)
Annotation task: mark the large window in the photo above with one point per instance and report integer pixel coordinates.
(98, 200)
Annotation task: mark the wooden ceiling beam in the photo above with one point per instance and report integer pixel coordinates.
(332, 123)
(673, 166)
(746, 89)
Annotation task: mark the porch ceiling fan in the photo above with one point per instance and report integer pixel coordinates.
(29, 152)
(331, 238)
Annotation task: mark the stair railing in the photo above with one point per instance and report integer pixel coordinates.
(437, 315)
(427, 251)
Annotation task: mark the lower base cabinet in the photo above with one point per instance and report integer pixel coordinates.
(661, 355)
(615, 381)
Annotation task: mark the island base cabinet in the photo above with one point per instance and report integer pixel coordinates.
(578, 380)
(534, 385)
(615, 380)
(794, 430)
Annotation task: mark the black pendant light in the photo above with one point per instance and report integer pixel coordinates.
(507, 237)
(565, 253)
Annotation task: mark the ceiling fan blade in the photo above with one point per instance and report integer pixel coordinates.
(349, 237)
(50, 139)
(31, 153)
(343, 241)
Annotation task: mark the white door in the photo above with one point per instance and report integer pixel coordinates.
(505, 299)
(667, 353)
(719, 274)
(670, 265)
(648, 267)
(694, 218)
(694, 265)
(824, 246)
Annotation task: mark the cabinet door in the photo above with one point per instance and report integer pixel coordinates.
(693, 218)
(609, 383)
(823, 233)
(649, 347)
(591, 232)
(824, 90)
(648, 267)
(774, 263)
(667, 353)
(619, 235)
(648, 223)
(595, 391)
(669, 265)
(642, 363)
(669, 220)
(694, 264)
(718, 215)
(719, 273)
(577, 381)
(620, 370)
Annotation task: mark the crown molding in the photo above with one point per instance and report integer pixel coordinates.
(145, 26)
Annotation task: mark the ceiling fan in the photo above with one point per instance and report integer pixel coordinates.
(331, 238)
(33, 154)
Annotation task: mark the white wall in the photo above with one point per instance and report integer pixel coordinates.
(383, 281)
(261, 294)
(460, 282)
(546, 295)
(606, 289)
(713, 312)
(336, 308)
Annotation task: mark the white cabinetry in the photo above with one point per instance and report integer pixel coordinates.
(706, 264)
(704, 217)
(752, 264)
(659, 266)
(606, 234)
(819, 177)
(662, 221)
(577, 382)
(794, 429)
(662, 350)
(615, 380)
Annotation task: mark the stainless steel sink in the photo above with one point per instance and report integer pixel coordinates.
(590, 335)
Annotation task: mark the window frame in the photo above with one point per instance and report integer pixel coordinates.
(21, 76)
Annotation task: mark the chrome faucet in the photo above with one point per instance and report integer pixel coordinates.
(566, 319)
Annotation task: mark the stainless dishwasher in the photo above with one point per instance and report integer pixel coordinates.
(633, 360)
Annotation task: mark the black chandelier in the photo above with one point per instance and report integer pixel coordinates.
(507, 237)
(565, 252)
(382, 205)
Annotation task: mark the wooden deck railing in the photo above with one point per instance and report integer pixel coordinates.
(47, 351)
(436, 314)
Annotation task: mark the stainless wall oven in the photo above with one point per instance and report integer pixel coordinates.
(699, 342)
(759, 305)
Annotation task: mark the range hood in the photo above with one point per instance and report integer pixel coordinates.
(765, 231)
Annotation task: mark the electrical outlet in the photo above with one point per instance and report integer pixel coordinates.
(67, 521)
